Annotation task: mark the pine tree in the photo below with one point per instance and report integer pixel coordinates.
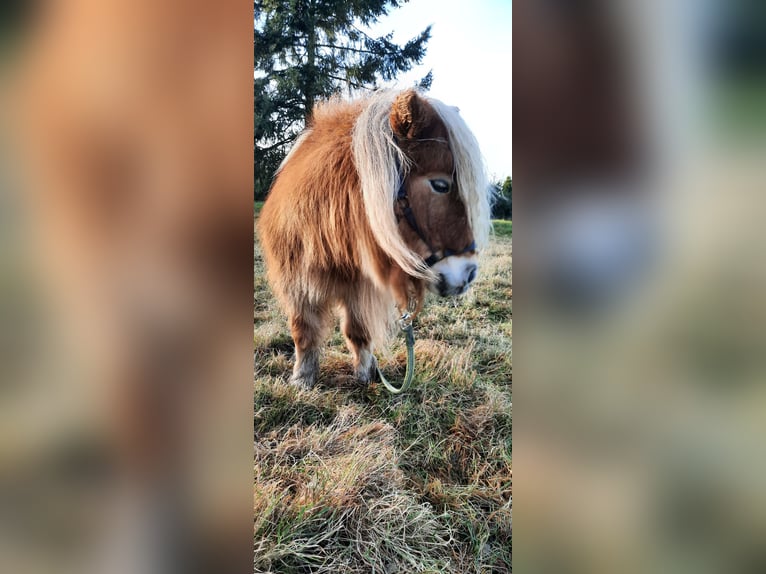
(503, 205)
(306, 50)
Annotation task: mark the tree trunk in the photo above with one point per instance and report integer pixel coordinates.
(311, 52)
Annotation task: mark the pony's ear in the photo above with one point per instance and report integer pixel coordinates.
(407, 114)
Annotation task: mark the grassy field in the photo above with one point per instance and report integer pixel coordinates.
(348, 479)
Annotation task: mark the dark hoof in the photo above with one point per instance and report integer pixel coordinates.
(366, 373)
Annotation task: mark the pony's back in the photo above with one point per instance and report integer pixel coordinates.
(313, 222)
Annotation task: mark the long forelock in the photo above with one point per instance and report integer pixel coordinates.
(473, 184)
(381, 166)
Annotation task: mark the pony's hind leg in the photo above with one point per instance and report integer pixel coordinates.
(309, 325)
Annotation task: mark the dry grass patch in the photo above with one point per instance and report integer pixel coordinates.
(334, 501)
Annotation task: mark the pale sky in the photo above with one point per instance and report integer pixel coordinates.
(470, 55)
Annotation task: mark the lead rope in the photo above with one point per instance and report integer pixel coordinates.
(405, 324)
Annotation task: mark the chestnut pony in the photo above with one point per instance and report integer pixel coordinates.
(378, 200)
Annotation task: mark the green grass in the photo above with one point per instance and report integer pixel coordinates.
(348, 478)
(502, 227)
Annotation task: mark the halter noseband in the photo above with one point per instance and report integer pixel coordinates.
(434, 258)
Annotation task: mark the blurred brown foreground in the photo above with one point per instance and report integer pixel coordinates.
(126, 382)
(640, 282)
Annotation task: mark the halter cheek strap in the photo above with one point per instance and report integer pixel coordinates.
(436, 255)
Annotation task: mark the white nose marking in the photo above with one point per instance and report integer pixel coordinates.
(457, 270)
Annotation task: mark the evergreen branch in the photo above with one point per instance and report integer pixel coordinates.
(349, 48)
(350, 82)
(363, 33)
(278, 144)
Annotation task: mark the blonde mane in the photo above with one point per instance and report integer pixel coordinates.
(472, 180)
(382, 165)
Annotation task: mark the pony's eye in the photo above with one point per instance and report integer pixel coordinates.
(439, 185)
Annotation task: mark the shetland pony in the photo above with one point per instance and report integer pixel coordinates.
(378, 200)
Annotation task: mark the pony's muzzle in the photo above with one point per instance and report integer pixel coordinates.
(455, 275)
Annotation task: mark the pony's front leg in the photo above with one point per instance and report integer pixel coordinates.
(309, 326)
(358, 341)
